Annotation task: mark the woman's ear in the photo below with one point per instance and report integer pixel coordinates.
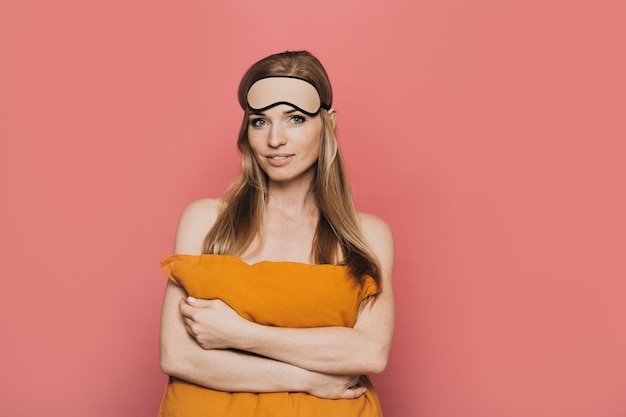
(333, 117)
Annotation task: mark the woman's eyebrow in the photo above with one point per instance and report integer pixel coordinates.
(260, 113)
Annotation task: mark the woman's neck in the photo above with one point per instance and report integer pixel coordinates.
(288, 226)
(292, 199)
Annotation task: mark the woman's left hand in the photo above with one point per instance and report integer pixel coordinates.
(212, 323)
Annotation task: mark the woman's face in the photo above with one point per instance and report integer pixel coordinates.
(285, 142)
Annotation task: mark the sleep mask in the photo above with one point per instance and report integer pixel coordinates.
(295, 92)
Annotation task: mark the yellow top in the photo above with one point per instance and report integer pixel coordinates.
(284, 294)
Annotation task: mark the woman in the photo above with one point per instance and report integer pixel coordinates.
(280, 296)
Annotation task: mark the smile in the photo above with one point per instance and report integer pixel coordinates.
(279, 159)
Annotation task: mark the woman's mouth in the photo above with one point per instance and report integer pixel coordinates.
(278, 160)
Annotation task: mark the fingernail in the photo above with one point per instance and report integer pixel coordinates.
(192, 299)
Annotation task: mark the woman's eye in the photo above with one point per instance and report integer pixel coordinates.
(258, 122)
(297, 119)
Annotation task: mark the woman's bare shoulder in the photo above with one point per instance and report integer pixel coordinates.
(195, 222)
(378, 235)
(202, 207)
(372, 225)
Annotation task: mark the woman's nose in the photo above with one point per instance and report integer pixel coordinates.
(276, 137)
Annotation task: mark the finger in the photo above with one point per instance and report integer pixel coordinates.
(190, 331)
(185, 309)
(353, 393)
(199, 302)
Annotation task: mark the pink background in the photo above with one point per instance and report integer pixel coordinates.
(489, 134)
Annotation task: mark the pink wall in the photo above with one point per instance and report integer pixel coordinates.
(490, 134)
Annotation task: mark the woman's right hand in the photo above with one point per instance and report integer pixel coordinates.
(335, 387)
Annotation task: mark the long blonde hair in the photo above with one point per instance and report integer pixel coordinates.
(338, 238)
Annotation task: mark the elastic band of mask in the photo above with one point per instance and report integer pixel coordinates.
(293, 91)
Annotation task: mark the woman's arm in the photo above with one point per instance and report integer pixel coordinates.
(219, 369)
(228, 370)
(362, 349)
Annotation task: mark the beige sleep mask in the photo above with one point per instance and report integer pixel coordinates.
(295, 92)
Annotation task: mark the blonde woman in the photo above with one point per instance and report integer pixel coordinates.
(280, 298)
